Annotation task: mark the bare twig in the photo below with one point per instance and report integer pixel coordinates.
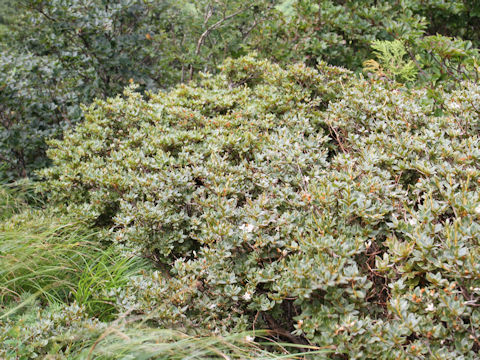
(214, 26)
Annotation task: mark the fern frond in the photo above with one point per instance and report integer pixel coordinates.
(391, 61)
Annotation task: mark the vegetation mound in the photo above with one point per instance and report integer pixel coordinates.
(307, 201)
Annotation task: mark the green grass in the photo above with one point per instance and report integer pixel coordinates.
(16, 198)
(56, 259)
(60, 261)
(146, 343)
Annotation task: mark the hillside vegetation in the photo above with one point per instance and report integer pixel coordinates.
(227, 180)
(342, 210)
(58, 54)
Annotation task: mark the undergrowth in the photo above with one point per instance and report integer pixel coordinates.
(57, 287)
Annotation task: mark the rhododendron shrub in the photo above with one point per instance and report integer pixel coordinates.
(333, 210)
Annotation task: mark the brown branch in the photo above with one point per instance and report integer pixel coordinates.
(419, 67)
(275, 328)
(257, 21)
(210, 29)
(214, 26)
(337, 137)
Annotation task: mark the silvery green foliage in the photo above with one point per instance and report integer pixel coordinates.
(68, 52)
(342, 210)
(51, 332)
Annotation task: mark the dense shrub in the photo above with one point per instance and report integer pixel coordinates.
(339, 210)
(338, 32)
(86, 49)
(438, 63)
(67, 332)
(58, 296)
(452, 18)
(7, 14)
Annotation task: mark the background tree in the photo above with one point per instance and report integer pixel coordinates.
(7, 16)
(77, 50)
(65, 53)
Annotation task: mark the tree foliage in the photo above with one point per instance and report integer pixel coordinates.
(95, 48)
(7, 17)
(341, 32)
(82, 50)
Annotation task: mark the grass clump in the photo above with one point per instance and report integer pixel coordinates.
(57, 261)
(14, 198)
